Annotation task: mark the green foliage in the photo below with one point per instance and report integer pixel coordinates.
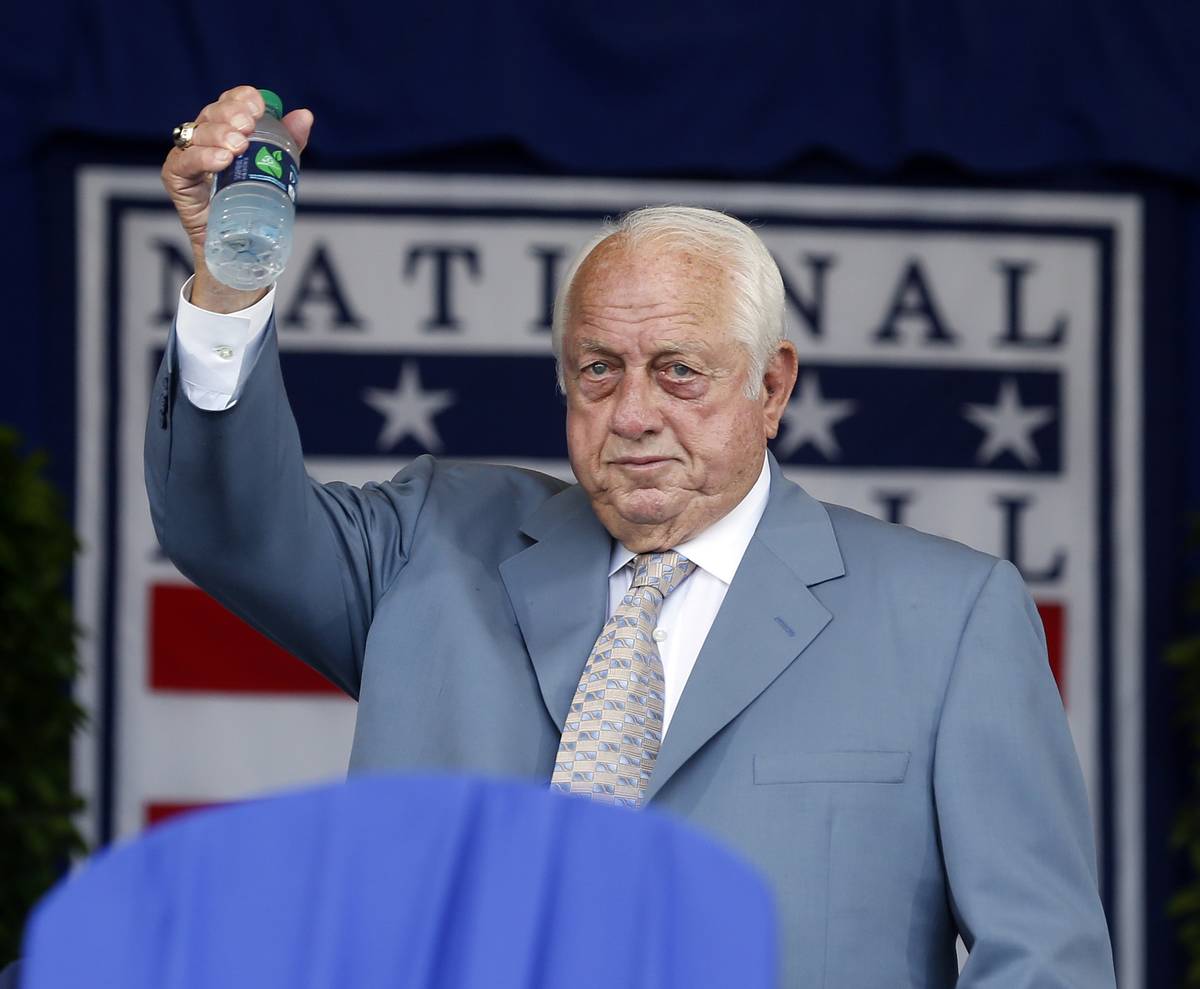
(1184, 655)
(37, 714)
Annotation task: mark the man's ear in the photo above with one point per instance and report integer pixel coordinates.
(778, 380)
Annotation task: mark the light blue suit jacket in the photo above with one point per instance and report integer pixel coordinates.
(871, 720)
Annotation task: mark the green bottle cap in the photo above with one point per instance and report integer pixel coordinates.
(273, 102)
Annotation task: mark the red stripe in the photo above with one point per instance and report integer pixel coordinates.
(161, 810)
(195, 644)
(1054, 622)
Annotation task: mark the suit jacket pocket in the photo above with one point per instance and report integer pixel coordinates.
(831, 767)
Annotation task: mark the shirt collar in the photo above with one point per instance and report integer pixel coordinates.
(719, 548)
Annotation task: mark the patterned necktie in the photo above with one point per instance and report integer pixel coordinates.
(614, 729)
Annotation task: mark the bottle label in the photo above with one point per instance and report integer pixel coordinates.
(262, 162)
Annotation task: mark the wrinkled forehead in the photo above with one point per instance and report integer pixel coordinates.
(621, 276)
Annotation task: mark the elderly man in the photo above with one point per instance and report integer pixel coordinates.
(865, 711)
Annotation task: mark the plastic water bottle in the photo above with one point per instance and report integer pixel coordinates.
(253, 206)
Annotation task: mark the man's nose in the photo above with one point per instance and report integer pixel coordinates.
(635, 412)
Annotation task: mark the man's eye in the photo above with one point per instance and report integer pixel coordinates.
(680, 372)
(597, 369)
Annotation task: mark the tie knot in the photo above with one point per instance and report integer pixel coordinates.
(664, 571)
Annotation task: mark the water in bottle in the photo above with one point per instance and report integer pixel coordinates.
(253, 205)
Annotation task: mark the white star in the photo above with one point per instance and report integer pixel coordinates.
(407, 410)
(1009, 425)
(809, 418)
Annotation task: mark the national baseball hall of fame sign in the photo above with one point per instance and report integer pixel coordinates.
(970, 366)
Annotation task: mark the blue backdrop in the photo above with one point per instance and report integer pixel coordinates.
(1065, 94)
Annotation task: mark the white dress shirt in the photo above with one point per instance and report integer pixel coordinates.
(214, 349)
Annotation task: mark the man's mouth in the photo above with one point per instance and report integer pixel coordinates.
(641, 462)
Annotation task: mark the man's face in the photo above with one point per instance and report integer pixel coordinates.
(660, 431)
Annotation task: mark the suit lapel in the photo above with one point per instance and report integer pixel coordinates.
(559, 592)
(769, 616)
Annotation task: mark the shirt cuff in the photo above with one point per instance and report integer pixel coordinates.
(213, 349)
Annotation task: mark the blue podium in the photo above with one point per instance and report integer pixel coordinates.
(387, 882)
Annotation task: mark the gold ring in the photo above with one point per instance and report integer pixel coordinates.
(182, 135)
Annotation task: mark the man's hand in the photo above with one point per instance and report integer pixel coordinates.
(222, 130)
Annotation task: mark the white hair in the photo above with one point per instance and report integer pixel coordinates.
(756, 318)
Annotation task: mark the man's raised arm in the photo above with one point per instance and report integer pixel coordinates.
(232, 504)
